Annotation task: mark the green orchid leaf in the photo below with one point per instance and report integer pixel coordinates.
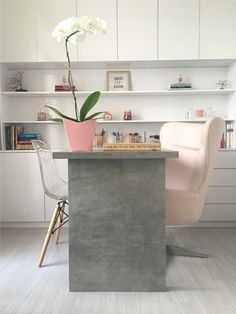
(61, 114)
(89, 103)
(94, 115)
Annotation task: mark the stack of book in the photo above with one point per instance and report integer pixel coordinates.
(131, 146)
(227, 137)
(16, 139)
(180, 85)
(63, 88)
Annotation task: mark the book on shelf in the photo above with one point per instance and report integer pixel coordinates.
(227, 137)
(64, 88)
(16, 139)
(131, 146)
(29, 136)
(180, 86)
(24, 145)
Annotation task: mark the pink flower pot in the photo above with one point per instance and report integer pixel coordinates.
(80, 135)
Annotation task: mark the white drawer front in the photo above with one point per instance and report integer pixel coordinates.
(223, 177)
(223, 195)
(226, 159)
(219, 212)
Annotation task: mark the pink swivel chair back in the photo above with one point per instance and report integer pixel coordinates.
(197, 145)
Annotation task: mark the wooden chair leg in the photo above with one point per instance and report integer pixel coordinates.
(48, 235)
(59, 223)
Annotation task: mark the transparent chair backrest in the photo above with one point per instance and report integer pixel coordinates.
(48, 169)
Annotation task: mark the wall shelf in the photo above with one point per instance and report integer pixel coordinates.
(123, 93)
(199, 120)
(30, 122)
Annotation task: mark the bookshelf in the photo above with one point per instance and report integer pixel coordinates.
(151, 102)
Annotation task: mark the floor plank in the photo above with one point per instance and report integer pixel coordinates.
(193, 285)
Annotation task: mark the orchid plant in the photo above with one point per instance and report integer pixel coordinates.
(73, 30)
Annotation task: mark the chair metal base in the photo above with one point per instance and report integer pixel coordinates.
(179, 251)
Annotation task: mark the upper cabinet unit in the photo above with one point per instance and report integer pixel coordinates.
(178, 30)
(48, 14)
(137, 30)
(217, 29)
(18, 36)
(99, 47)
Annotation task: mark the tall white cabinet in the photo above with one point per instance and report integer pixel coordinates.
(217, 29)
(178, 30)
(18, 32)
(137, 30)
(48, 14)
(101, 47)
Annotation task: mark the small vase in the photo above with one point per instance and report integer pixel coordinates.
(80, 135)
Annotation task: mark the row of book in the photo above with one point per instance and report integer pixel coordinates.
(227, 137)
(16, 139)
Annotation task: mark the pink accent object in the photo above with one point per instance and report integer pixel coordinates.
(187, 176)
(199, 113)
(80, 135)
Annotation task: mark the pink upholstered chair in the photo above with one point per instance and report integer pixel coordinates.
(187, 176)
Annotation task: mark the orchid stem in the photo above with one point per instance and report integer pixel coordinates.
(70, 79)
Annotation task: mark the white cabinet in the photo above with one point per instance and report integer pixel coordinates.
(99, 47)
(21, 189)
(178, 30)
(137, 30)
(220, 202)
(18, 36)
(48, 14)
(217, 29)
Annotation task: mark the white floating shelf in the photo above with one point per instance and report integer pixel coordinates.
(154, 121)
(30, 122)
(115, 121)
(124, 93)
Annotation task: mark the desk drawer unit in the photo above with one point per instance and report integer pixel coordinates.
(220, 204)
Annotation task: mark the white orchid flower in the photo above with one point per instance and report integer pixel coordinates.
(82, 26)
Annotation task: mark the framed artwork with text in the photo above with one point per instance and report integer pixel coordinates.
(118, 80)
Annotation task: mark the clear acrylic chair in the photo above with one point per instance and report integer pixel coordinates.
(55, 187)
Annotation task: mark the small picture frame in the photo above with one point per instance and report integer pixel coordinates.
(118, 81)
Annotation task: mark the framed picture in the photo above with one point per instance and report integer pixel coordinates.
(118, 80)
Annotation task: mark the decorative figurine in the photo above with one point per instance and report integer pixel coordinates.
(42, 116)
(222, 84)
(64, 87)
(180, 84)
(127, 115)
(107, 116)
(180, 79)
(15, 82)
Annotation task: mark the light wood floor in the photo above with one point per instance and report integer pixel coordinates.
(194, 286)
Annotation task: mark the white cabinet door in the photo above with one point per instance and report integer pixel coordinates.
(178, 30)
(22, 197)
(48, 14)
(137, 29)
(99, 47)
(217, 29)
(18, 35)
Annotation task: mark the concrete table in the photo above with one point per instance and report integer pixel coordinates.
(117, 220)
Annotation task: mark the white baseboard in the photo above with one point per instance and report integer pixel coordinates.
(200, 224)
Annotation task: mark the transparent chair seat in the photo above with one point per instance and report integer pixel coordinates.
(54, 186)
